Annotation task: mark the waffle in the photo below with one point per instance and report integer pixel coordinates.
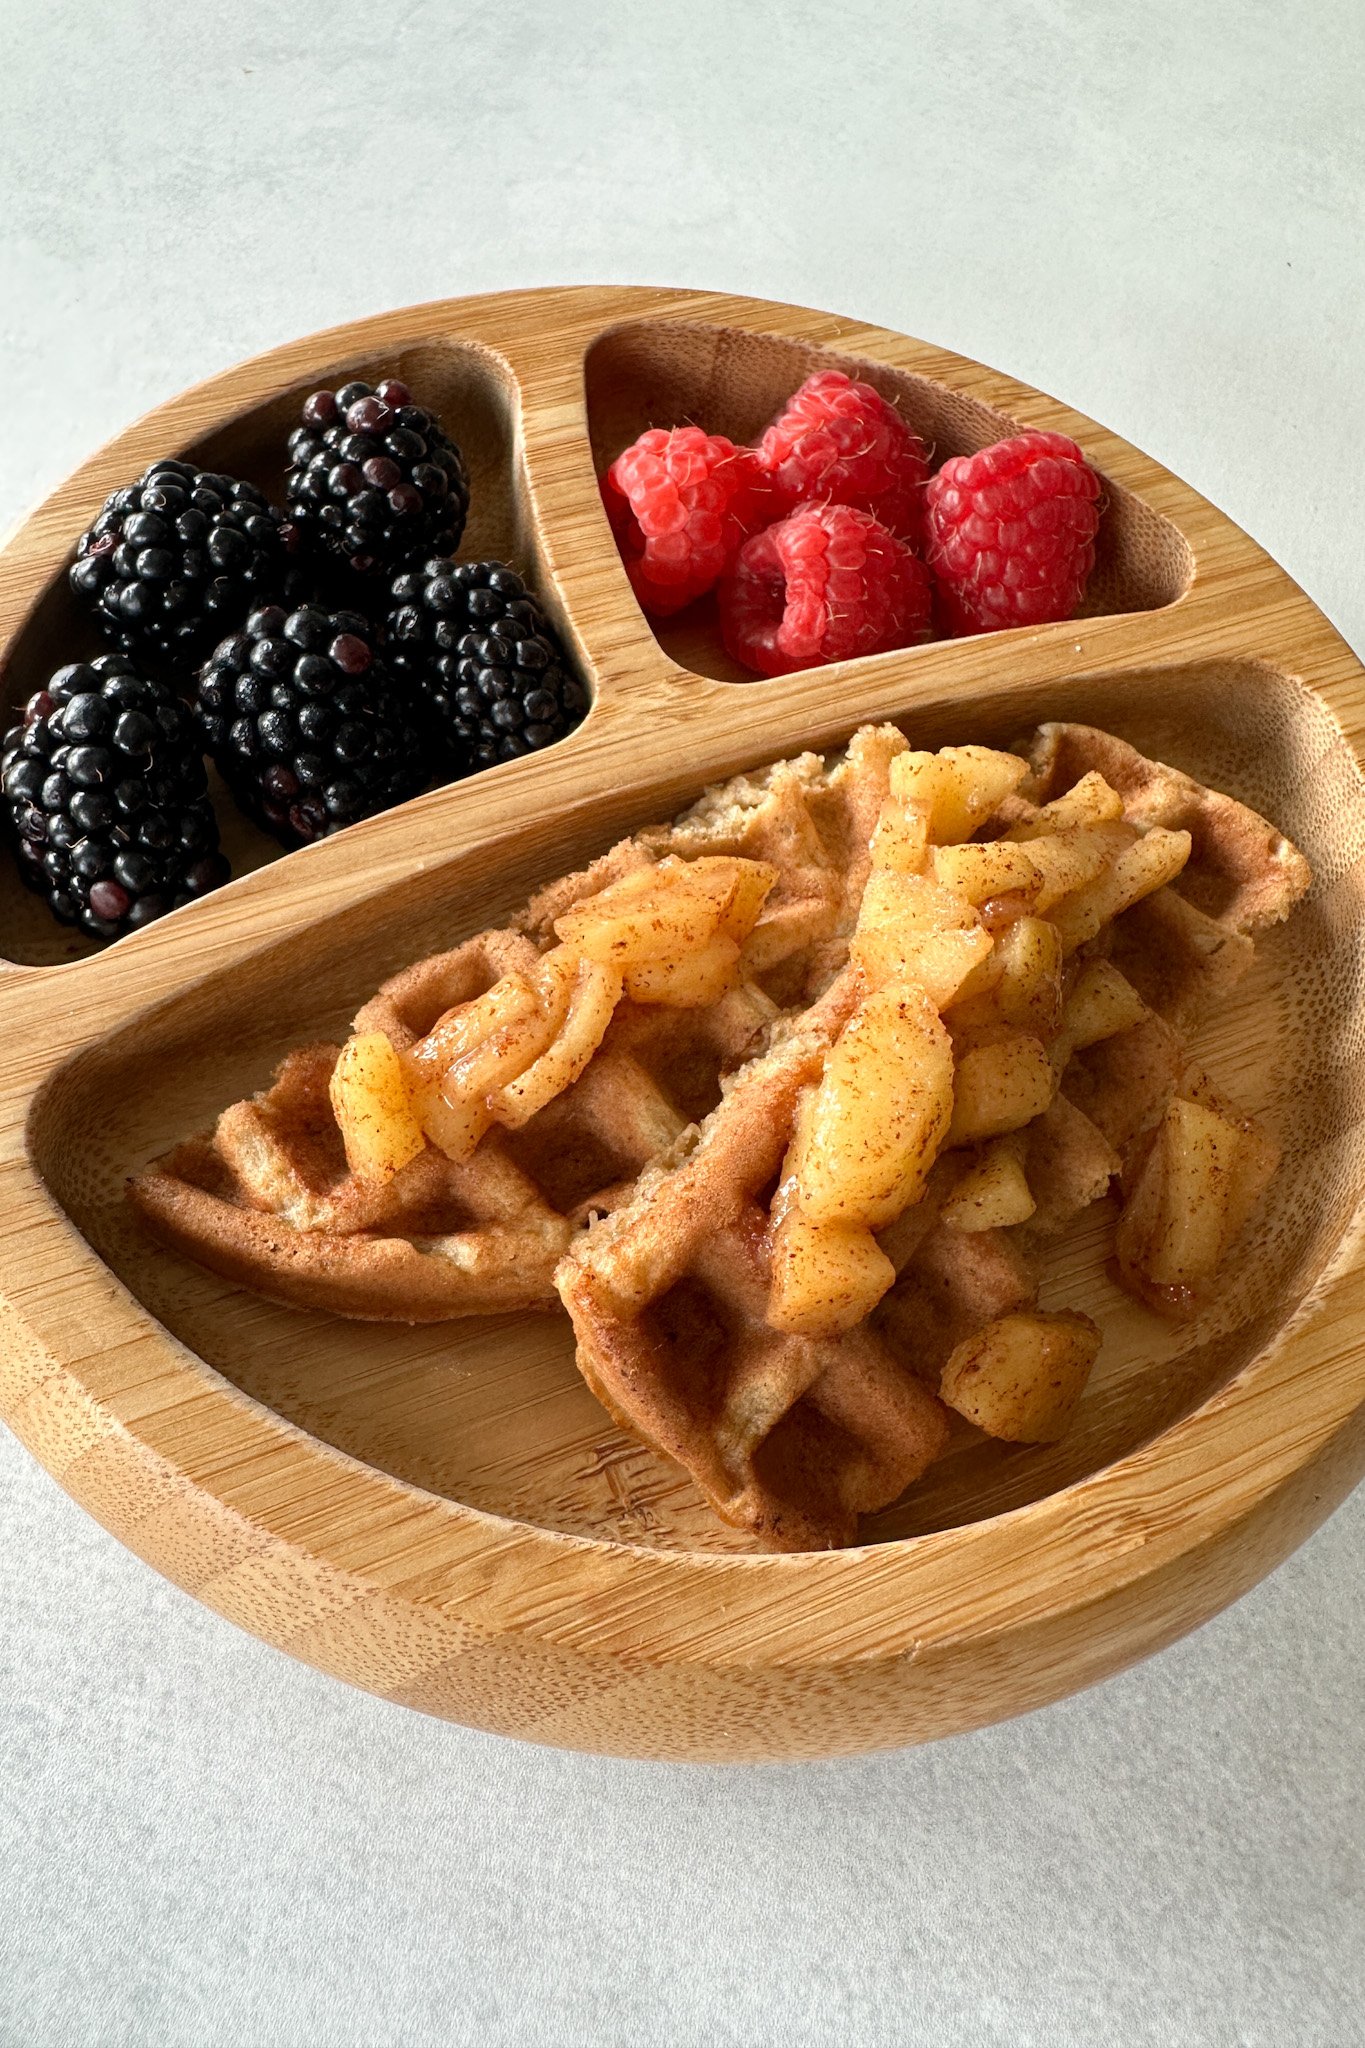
(792, 1437)
(266, 1198)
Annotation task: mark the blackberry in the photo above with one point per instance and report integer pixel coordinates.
(177, 558)
(373, 479)
(477, 645)
(104, 793)
(308, 729)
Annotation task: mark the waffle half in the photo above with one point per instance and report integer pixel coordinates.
(792, 1437)
(266, 1199)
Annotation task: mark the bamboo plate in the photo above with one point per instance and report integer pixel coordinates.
(444, 1515)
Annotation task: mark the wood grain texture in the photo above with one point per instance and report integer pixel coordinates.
(444, 1515)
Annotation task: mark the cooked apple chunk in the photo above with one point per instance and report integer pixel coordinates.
(1074, 859)
(936, 961)
(1000, 1086)
(687, 981)
(460, 1074)
(746, 888)
(476, 1047)
(507, 1051)
(996, 868)
(374, 1114)
(899, 913)
(994, 1192)
(593, 993)
(901, 839)
(1201, 1179)
(879, 1114)
(1029, 993)
(826, 1276)
(645, 916)
(1147, 865)
(957, 788)
(1021, 1377)
(662, 912)
(508, 1005)
(1019, 982)
(1102, 1003)
(912, 903)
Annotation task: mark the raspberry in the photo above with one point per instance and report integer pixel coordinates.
(840, 443)
(1011, 533)
(824, 585)
(680, 503)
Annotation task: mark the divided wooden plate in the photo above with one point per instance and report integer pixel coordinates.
(444, 1515)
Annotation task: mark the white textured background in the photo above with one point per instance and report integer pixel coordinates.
(1154, 211)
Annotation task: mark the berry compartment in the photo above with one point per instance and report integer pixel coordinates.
(492, 1412)
(471, 391)
(732, 381)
